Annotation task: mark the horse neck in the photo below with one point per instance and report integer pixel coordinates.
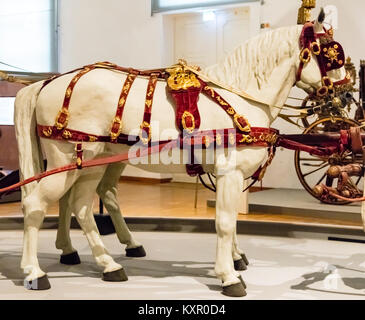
(264, 67)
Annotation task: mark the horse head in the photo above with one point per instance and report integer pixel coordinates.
(320, 67)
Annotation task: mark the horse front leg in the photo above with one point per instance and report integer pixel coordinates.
(108, 192)
(229, 187)
(240, 260)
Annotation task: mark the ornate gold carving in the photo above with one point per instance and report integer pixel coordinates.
(183, 121)
(68, 92)
(180, 78)
(148, 103)
(47, 132)
(78, 161)
(143, 126)
(218, 139)
(231, 111)
(207, 88)
(126, 88)
(121, 101)
(304, 13)
(332, 53)
(67, 134)
(232, 139)
(246, 138)
(221, 102)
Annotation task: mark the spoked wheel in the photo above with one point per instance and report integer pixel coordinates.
(312, 170)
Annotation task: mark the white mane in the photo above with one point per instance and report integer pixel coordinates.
(256, 58)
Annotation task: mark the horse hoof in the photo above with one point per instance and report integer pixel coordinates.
(41, 283)
(234, 290)
(137, 252)
(115, 276)
(70, 259)
(245, 259)
(243, 282)
(239, 265)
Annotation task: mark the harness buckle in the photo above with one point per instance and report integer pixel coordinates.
(327, 82)
(62, 118)
(316, 48)
(305, 55)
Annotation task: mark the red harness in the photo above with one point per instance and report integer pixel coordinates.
(185, 88)
(329, 53)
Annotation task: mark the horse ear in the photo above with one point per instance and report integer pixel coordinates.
(318, 25)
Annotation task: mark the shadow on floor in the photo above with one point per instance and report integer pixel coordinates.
(202, 272)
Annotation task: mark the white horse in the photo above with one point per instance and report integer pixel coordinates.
(265, 67)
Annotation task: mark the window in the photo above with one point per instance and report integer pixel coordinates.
(28, 33)
(166, 5)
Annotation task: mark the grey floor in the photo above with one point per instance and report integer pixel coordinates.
(180, 266)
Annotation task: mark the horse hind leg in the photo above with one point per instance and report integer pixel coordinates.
(82, 198)
(107, 191)
(69, 254)
(35, 206)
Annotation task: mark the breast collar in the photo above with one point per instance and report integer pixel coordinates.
(329, 54)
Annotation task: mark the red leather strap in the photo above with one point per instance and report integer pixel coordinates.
(50, 132)
(79, 153)
(145, 133)
(63, 115)
(240, 122)
(116, 124)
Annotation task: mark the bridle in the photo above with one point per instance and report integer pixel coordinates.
(329, 54)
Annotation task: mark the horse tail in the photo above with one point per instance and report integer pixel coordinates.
(30, 154)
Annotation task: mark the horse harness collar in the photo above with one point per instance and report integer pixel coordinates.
(185, 88)
(329, 53)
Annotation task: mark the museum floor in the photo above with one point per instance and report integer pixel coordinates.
(176, 200)
(180, 266)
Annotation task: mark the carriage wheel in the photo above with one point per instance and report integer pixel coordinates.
(311, 170)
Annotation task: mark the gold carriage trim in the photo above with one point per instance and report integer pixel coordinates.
(269, 138)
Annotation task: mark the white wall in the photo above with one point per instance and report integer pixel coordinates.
(123, 31)
(120, 31)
